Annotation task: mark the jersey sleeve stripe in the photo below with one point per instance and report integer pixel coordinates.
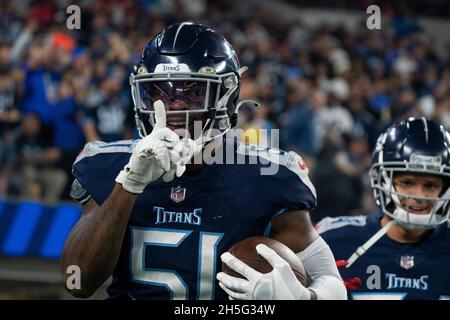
(329, 223)
(289, 160)
(97, 147)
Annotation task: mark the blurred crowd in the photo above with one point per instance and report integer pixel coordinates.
(328, 89)
(430, 8)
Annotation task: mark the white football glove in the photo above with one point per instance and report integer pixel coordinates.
(279, 284)
(180, 155)
(151, 156)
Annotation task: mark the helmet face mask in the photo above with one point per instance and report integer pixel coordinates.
(195, 73)
(396, 204)
(417, 147)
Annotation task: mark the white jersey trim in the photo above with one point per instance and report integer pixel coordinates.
(97, 147)
(328, 223)
(290, 160)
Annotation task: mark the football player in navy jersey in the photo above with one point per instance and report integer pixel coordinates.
(403, 251)
(157, 221)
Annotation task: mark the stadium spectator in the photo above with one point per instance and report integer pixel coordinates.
(107, 113)
(68, 135)
(35, 163)
(11, 88)
(299, 134)
(366, 79)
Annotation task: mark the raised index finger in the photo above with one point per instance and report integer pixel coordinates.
(160, 114)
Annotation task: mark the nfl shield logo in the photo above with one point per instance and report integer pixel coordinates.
(178, 194)
(407, 262)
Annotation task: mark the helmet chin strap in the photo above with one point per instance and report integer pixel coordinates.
(362, 249)
(416, 221)
(404, 218)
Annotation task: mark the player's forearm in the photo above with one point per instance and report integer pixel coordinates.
(319, 263)
(95, 242)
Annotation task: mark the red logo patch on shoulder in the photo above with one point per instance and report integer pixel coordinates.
(302, 165)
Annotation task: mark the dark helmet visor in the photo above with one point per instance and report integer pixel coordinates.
(187, 95)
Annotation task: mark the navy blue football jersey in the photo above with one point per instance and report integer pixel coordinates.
(178, 230)
(390, 270)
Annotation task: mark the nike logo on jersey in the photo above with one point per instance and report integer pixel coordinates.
(163, 216)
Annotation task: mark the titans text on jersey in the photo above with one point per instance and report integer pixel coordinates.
(389, 269)
(177, 230)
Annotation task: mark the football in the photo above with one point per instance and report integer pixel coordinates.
(245, 251)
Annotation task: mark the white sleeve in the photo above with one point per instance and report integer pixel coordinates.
(322, 272)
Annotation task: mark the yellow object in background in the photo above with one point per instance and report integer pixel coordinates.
(251, 135)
